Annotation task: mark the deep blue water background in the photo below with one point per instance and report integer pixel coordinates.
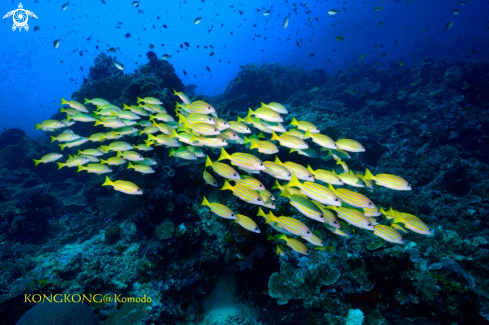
(33, 78)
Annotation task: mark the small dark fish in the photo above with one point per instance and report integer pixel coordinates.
(241, 67)
(211, 46)
(89, 38)
(151, 46)
(212, 54)
(311, 55)
(205, 46)
(240, 12)
(383, 54)
(37, 28)
(186, 44)
(184, 72)
(81, 53)
(103, 2)
(181, 46)
(128, 35)
(164, 26)
(198, 46)
(208, 69)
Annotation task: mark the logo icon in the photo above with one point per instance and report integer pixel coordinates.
(20, 17)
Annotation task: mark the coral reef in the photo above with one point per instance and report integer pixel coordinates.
(61, 231)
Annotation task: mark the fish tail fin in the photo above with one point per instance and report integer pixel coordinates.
(175, 92)
(181, 119)
(381, 210)
(79, 152)
(285, 192)
(294, 122)
(151, 137)
(53, 139)
(277, 186)
(294, 181)
(263, 104)
(331, 188)
(172, 152)
(240, 119)
(130, 166)
(253, 145)
(68, 117)
(97, 122)
(274, 136)
(368, 174)
(80, 168)
(61, 165)
(308, 134)
(103, 161)
(277, 161)
(270, 237)
(205, 202)
(87, 101)
(398, 218)
(151, 117)
(283, 237)
(38, 126)
(248, 119)
(36, 162)
(226, 186)
(125, 106)
(173, 134)
(105, 148)
(62, 110)
(293, 150)
(309, 168)
(261, 135)
(247, 140)
(261, 213)
(208, 162)
(224, 155)
(193, 137)
(140, 99)
(250, 112)
(107, 181)
(119, 153)
(62, 146)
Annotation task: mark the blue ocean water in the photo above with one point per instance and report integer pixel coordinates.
(340, 173)
(35, 74)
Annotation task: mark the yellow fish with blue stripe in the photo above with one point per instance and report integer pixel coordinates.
(315, 191)
(244, 193)
(246, 223)
(390, 181)
(353, 217)
(350, 145)
(295, 245)
(289, 141)
(291, 225)
(304, 205)
(219, 209)
(352, 198)
(300, 171)
(123, 186)
(305, 126)
(222, 169)
(244, 160)
(388, 234)
(325, 176)
(266, 114)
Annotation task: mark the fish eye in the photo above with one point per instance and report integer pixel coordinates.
(336, 199)
(335, 222)
(259, 200)
(369, 224)
(261, 164)
(308, 232)
(232, 214)
(235, 174)
(289, 174)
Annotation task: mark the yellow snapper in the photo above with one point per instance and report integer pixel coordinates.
(242, 159)
(150, 100)
(304, 205)
(390, 181)
(350, 145)
(246, 223)
(289, 141)
(74, 161)
(131, 155)
(325, 176)
(75, 143)
(315, 191)
(50, 125)
(277, 107)
(266, 114)
(300, 171)
(95, 168)
(295, 244)
(196, 118)
(201, 128)
(305, 126)
(182, 96)
(50, 157)
(265, 147)
(219, 209)
(74, 104)
(183, 153)
(113, 161)
(214, 142)
(224, 170)
(352, 198)
(292, 225)
(65, 137)
(143, 169)
(93, 152)
(277, 170)
(222, 124)
(388, 234)
(351, 179)
(239, 127)
(123, 186)
(412, 223)
(321, 139)
(329, 216)
(97, 101)
(244, 193)
(250, 182)
(162, 139)
(209, 179)
(163, 117)
(353, 217)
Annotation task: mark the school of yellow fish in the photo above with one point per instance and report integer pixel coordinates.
(198, 126)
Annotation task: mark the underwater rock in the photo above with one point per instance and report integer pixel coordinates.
(11, 137)
(59, 313)
(165, 230)
(112, 234)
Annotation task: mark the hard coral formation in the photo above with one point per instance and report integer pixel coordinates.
(420, 123)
